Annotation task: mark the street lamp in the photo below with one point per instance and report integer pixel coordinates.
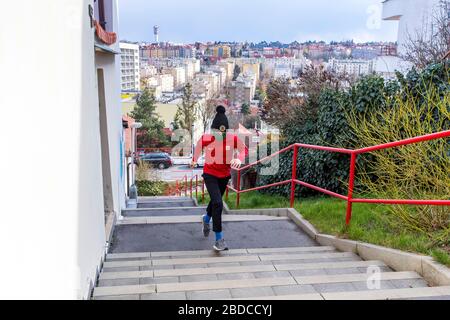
(133, 188)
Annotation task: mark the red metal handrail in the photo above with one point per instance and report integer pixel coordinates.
(351, 183)
(179, 190)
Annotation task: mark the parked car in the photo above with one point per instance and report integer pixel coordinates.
(159, 160)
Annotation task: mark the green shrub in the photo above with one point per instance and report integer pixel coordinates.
(416, 171)
(329, 127)
(151, 188)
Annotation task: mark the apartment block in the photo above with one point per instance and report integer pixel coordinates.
(166, 81)
(221, 51)
(283, 67)
(130, 69)
(221, 73)
(201, 88)
(352, 67)
(148, 71)
(178, 74)
(212, 78)
(167, 51)
(242, 90)
(228, 65)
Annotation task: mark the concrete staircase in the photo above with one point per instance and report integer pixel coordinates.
(303, 272)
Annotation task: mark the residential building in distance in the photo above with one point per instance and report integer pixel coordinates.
(386, 66)
(228, 65)
(283, 67)
(221, 51)
(130, 68)
(212, 78)
(148, 70)
(352, 67)
(178, 74)
(166, 81)
(251, 68)
(221, 72)
(191, 66)
(242, 90)
(201, 88)
(167, 50)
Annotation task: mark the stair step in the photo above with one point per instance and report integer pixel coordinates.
(248, 283)
(191, 286)
(329, 265)
(193, 219)
(225, 259)
(386, 294)
(226, 264)
(162, 198)
(139, 255)
(123, 290)
(239, 269)
(389, 294)
(163, 212)
(305, 297)
(347, 278)
(166, 204)
(225, 284)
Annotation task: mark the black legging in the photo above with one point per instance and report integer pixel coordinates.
(216, 188)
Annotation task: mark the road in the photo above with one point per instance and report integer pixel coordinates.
(178, 172)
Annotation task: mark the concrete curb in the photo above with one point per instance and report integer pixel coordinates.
(433, 272)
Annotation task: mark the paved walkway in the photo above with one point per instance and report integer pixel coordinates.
(159, 252)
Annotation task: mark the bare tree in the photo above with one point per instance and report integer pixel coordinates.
(294, 101)
(186, 115)
(283, 102)
(206, 111)
(431, 43)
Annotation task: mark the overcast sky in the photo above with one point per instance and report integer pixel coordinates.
(187, 21)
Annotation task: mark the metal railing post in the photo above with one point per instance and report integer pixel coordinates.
(176, 188)
(351, 184)
(203, 190)
(294, 175)
(185, 186)
(238, 189)
(196, 188)
(192, 178)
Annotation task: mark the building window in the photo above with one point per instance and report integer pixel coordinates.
(103, 12)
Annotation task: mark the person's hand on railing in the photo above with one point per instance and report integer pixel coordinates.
(193, 164)
(235, 164)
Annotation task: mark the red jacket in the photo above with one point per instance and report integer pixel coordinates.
(218, 154)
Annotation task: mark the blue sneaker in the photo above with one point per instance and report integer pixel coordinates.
(206, 226)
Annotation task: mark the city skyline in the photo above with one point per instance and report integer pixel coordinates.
(288, 21)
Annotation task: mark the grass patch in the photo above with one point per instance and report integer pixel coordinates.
(370, 223)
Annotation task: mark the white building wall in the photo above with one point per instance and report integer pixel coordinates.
(54, 239)
(166, 81)
(412, 15)
(179, 76)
